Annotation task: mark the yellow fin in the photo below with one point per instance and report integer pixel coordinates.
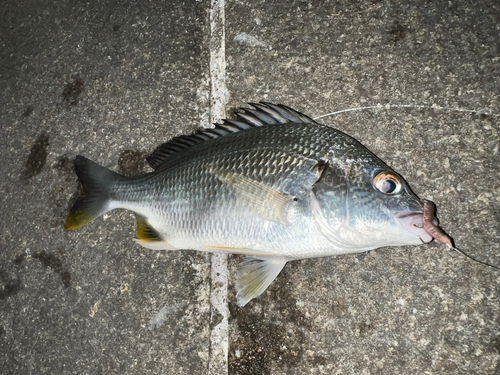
(78, 217)
(96, 181)
(224, 248)
(261, 199)
(145, 232)
(238, 250)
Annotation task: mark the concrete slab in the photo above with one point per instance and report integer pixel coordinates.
(411, 310)
(109, 81)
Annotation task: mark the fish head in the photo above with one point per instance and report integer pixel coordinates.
(361, 204)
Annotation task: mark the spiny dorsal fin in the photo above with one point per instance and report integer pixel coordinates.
(262, 114)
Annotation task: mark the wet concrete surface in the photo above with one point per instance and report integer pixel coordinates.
(111, 81)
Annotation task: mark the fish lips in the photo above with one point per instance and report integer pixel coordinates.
(413, 223)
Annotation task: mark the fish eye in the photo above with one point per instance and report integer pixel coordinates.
(387, 183)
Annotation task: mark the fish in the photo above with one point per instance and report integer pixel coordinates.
(272, 184)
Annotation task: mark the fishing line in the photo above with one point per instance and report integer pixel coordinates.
(430, 225)
(470, 257)
(389, 106)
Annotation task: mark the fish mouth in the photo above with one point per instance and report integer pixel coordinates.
(413, 223)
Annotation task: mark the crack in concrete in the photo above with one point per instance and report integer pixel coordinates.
(219, 333)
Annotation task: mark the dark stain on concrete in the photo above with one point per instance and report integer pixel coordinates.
(480, 115)
(63, 163)
(363, 327)
(496, 213)
(28, 111)
(73, 90)
(54, 263)
(496, 344)
(9, 286)
(397, 32)
(2, 331)
(19, 259)
(37, 157)
(132, 163)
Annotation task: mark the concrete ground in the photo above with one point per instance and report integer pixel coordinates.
(112, 80)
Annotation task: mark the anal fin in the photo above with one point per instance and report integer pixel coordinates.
(149, 237)
(255, 275)
(145, 232)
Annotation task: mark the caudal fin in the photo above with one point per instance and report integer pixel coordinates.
(94, 202)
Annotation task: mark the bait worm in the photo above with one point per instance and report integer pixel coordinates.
(432, 229)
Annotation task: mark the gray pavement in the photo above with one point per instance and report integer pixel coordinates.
(112, 80)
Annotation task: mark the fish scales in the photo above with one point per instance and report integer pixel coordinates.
(272, 184)
(193, 202)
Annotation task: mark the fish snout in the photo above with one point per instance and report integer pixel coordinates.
(413, 223)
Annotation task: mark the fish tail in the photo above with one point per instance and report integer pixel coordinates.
(94, 202)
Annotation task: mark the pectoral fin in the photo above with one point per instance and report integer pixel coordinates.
(255, 275)
(261, 199)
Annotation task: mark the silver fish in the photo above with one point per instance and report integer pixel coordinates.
(272, 184)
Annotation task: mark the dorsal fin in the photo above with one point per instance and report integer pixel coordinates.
(262, 114)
